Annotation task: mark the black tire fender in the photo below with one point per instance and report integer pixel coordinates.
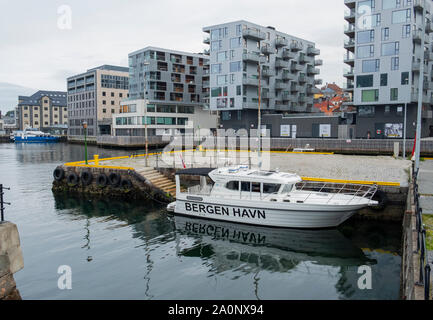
(114, 179)
(126, 184)
(102, 180)
(73, 179)
(382, 198)
(59, 174)
(86, 178)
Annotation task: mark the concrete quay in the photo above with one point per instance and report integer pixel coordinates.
(11, 260)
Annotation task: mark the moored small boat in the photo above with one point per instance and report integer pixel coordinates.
(269, 198)
(33, 136)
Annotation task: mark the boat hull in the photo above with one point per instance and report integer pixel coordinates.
(36, 139)
(302, 216)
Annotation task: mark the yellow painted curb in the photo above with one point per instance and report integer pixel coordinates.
(379, 183)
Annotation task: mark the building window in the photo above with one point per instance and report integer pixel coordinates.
(364, 81)
(387, 110)
(395, 63)
(390, 4)
(216, 92)
(370, 95)
(383, 79)
(222, 56)
(366, 36)
(370, 4)
(221, 80)
(371, 65)
(365, 51)
(405, 33)
(385, 34)
(369, 21)
(235, 66)
(394, 94)
(112, 103)
(104, 93)
(405, 78)
(216, 68)
(216, 45)
(366, 111)
(104, 102)
(104, 110)
(120, 95)
(226, 115)
(391, 48)
(238, 90)
(401, 16)
(235, 43)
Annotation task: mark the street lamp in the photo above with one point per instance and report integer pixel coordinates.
(259, 116)
(85, 140)
(146, 102)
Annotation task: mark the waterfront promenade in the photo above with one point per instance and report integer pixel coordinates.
(425, 182)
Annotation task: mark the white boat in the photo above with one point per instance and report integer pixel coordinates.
(268, 198)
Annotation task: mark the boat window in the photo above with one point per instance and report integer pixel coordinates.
(256, 187)
(233, 185)
(271, 188)
(245, 186)
(287, 188)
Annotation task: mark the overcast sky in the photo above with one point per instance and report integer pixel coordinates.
(36, 53)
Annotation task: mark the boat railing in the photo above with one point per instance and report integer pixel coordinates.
(356, 191)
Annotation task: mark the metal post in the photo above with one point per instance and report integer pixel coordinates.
(420, 96)
(259, 126)
(85, 141)
(1, 204)
(405, 133)
(427, 282)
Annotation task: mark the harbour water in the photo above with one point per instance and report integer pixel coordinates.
(135, 250)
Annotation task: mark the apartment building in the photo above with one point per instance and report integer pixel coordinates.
(386, 46)
(41, 110)
(167, 87)
(93, 97)
(287, 77)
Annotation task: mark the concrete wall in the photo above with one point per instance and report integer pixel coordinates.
(11, 260)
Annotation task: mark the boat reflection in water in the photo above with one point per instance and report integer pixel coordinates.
(234, 245)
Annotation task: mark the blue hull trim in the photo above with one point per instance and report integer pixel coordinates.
(36, 140)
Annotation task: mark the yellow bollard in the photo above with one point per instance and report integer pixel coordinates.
(96, 160)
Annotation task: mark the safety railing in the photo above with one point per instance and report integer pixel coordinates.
(335, 189)
(2, 203)
(424, 266)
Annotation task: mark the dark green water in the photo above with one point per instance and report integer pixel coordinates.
(127, 250)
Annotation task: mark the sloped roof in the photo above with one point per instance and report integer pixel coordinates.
(58, 98)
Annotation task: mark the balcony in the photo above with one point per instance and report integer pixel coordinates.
(253, 34)
(295, 67)
(349, 86)
(419, 4)
(251, 105)
(416, 67)
(429, 28)
(253, 82)
(425, 98)
(428, 56)
(266, 50)
(266, 73)
(318, 62)
(349, 30)
(206, 40)
(303, 59)
(281, 64)
(349, 45)
(206, 52)
(295, 46)
(288, 55)
(302, 78)
(281, 42)
(349, 73)
(295, 88)
(350, 15)
(311, 51)
(312, 90)
(312, 71)
(206, 84)
(287, 96)
(251, 57)
(266, 95)
(350, 3)
(288, 76)
(302, 99)
(417, 36)
(281, 85)
(349, 58)
(318, 82)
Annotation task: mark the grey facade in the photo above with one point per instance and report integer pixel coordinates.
(309, 126)
(93, 97)
(385, 44)
(287, 65)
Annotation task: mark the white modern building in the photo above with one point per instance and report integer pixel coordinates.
(287, 77)
(167, 87)
(387, 45)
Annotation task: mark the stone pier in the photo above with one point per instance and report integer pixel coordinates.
(11, 260)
